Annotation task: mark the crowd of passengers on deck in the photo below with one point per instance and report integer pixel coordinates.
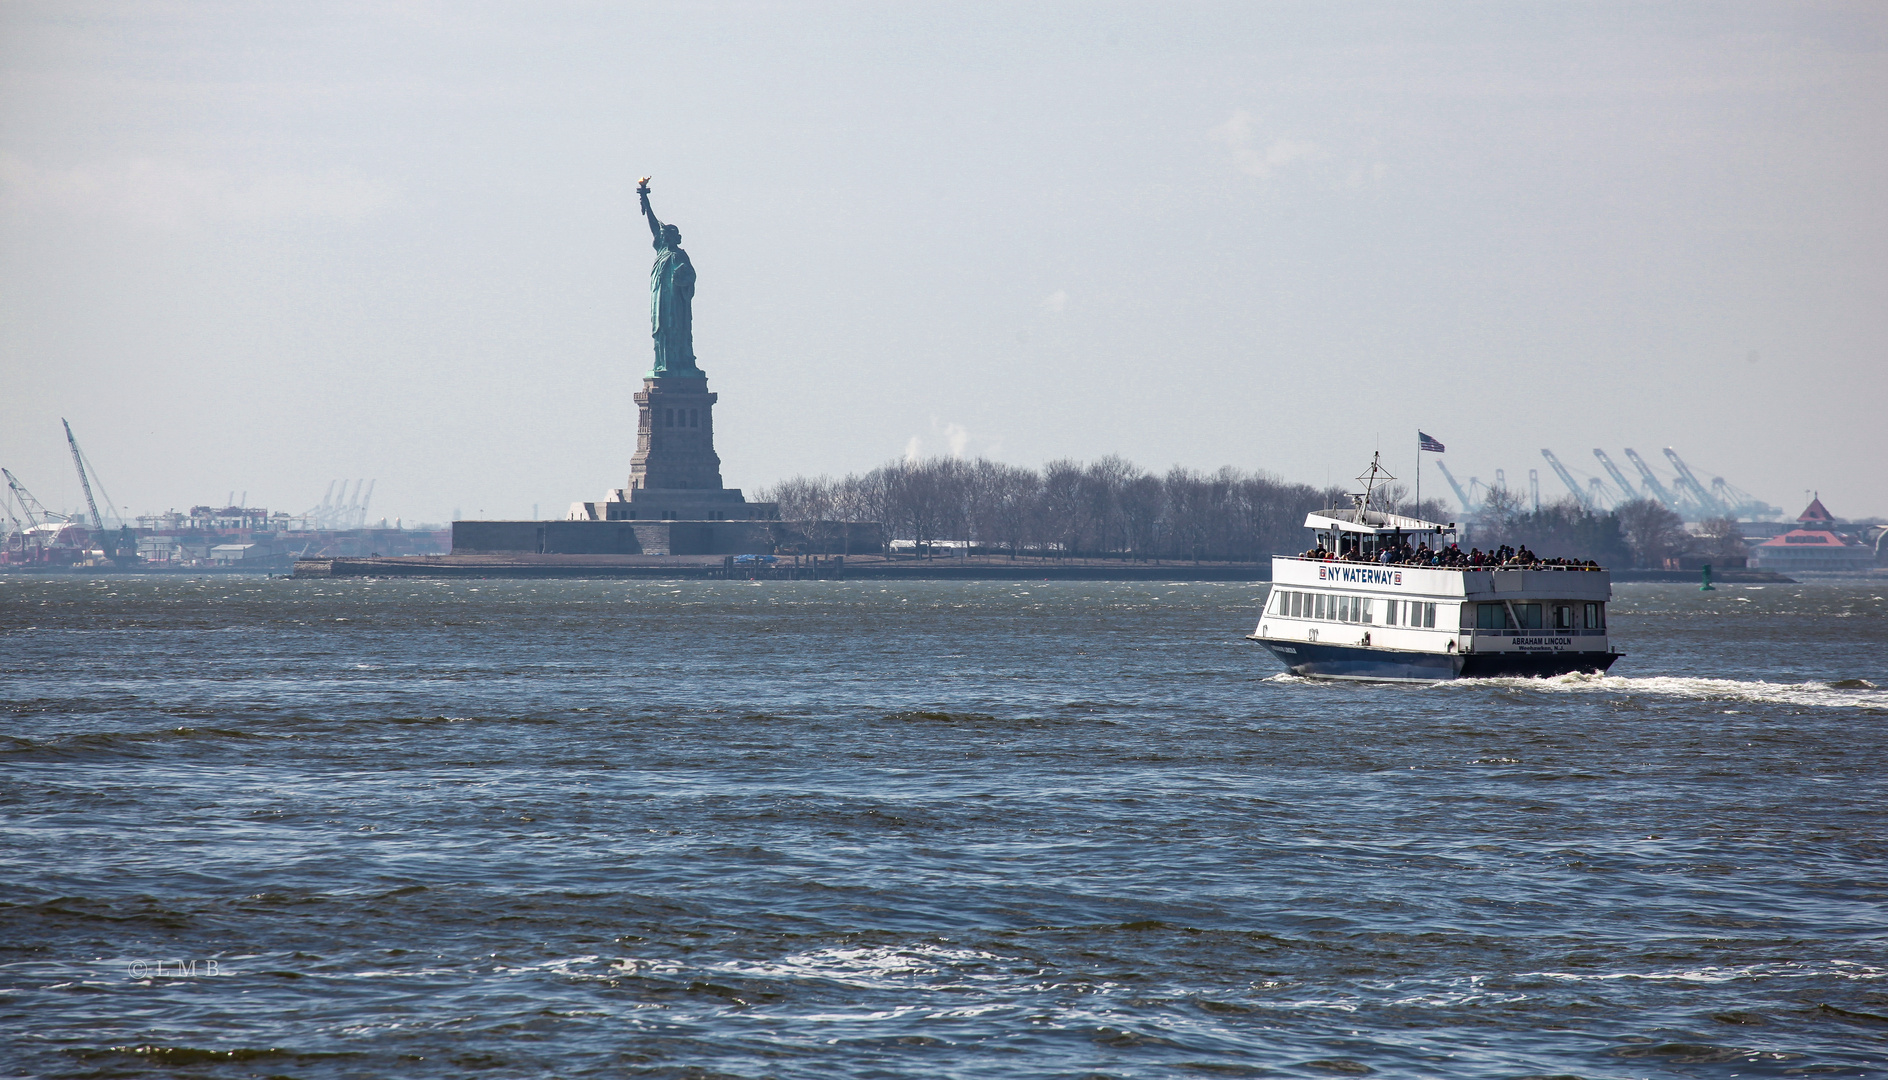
(1401, 553)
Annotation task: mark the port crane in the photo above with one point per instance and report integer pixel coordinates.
(1461, 496)
(85, 483)
(1652, 485)
(1567, 479)
(1625, 486)
(18, 525)
(1688, 482)
(1740, 503)
(1597, 497)
(28, 503)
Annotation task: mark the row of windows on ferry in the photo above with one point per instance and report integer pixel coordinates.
(1564, 616)
(1498, 616)
(673, 417)
(1356, 609)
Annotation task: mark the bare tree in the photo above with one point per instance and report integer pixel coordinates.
(1010, 507)
(1652, 531)
(1723, 539)
(1064, 509)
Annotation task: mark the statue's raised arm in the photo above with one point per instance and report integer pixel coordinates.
(655, 225)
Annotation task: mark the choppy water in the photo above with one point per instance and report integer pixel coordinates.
(830, 829)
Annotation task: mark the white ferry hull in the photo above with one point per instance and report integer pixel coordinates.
(1320, 660)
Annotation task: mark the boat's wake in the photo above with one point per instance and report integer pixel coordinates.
(1844, 693)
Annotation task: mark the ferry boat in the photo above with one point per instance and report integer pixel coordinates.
(1347, 613)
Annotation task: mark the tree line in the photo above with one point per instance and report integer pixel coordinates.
(1113, 509)
(1644, 532)
(1108, 508)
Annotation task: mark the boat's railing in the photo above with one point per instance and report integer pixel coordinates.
(1445, 566)
(1538, 632)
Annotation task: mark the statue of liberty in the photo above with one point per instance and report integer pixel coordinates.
(671, 297)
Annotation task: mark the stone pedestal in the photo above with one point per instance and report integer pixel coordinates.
(675, 474)
(675, 437)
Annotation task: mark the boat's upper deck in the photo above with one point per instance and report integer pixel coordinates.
(1444, 582)
(1362, 546)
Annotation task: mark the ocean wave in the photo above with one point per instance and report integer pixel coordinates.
(123, 743)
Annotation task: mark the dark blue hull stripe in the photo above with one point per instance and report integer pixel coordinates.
(1319, 660)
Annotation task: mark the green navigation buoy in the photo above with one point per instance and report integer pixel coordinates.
(1707, 586)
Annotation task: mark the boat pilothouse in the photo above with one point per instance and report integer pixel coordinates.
(1381, 596)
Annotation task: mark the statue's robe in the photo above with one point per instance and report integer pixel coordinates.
(671, 311)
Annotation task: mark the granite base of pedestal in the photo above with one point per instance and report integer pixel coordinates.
(674, 504)
(623, 537)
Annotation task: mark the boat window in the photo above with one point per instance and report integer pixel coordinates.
(1367, 605)
(1429, 614)
(1318, 605)
(1530, 616)
(1492, 617)
(1596, 616)
(1563, 617)
(1389, 613)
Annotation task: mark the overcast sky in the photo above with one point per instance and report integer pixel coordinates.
(256, 247)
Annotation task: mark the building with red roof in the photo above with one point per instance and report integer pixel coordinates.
(1811, 547)
(1816, 513)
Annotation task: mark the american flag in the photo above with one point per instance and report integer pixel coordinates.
(1425, 442)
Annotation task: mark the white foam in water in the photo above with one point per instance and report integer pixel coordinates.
(873, 968)
(1862, 694)
(1840, 969)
